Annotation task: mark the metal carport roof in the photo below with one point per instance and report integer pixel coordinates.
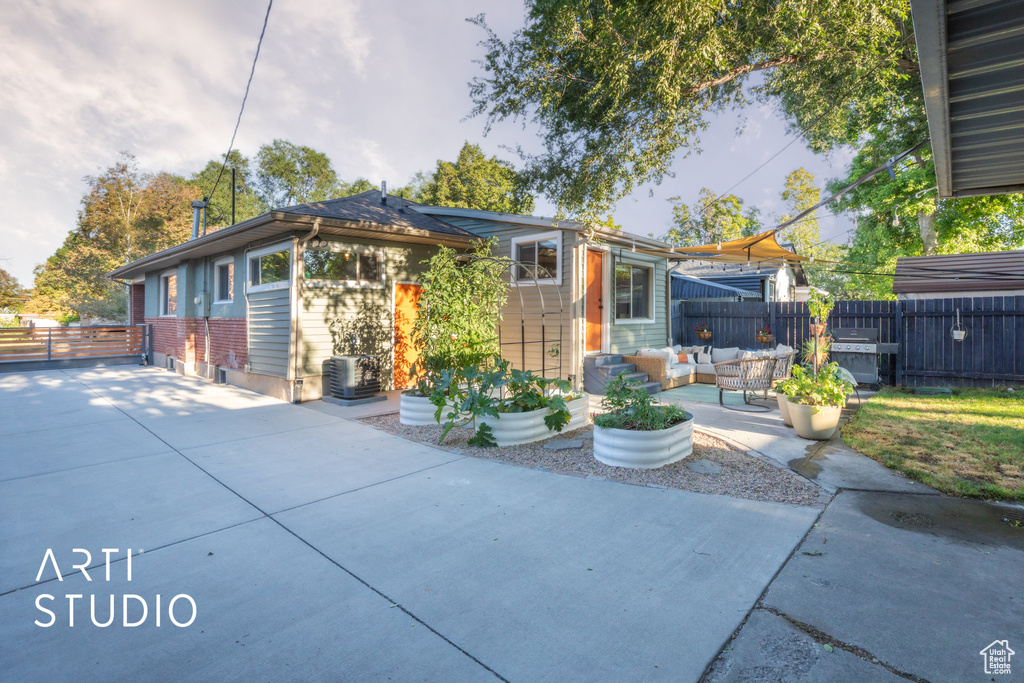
(972, 68)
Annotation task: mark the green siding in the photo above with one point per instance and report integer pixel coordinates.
(627, 338)
(542, 316)
(269, 332)
(328, 307)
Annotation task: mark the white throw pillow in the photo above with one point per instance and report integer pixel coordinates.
(677, 348)
(703, 358)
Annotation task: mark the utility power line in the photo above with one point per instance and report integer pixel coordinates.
(244, 98)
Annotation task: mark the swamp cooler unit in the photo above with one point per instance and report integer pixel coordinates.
(355, 377)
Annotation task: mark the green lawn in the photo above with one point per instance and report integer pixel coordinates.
(967, 444)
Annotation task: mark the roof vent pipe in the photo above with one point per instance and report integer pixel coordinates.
(197, 208)
(383, 192)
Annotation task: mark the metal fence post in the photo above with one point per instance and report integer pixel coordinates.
(49, 343)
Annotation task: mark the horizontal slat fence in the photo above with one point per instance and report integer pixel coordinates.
(992, 353)
(20, 344)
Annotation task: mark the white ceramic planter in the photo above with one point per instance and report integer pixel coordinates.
(814, 422)
(416, 411)
(784, 409)
(643, 450)
(510, 429)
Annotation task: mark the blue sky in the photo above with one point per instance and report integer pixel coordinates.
(380, 87)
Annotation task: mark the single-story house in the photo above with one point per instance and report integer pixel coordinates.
(340, 276)
(948, 276)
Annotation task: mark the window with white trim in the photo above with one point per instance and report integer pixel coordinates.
(633, 291)
(332, 263)
(224, 281)
(169, 294)
(538, 258)
(269, 269)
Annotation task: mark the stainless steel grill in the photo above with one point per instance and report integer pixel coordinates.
(857, 349)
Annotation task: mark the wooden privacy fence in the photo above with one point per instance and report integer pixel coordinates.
(991, 354)
(21, 344)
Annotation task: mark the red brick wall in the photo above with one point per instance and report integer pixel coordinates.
(185, 339)
(137, 310)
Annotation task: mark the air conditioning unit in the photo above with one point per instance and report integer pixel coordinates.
(354, 377)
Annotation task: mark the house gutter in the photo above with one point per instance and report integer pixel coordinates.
(298, 277)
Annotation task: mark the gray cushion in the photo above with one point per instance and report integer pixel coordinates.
(721, 355)
(666, 354)
(705, 369)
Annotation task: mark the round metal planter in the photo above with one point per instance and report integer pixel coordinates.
(510, 429)
(643, 450)
(416, 411)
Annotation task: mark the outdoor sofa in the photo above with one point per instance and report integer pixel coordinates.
(663, 364)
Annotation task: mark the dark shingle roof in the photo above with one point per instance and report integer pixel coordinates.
(367, 206)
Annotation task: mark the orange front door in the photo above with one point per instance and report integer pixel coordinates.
(406, 298)
(595, 303)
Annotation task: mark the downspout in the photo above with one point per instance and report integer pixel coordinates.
(298, 278)
(206, 319)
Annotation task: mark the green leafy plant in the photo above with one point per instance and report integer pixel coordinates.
(528, 392)
(703, 327)
(467, 393)
(826, 388)
(458, 313)
(630, 407)
(808, 349)
(820, 304)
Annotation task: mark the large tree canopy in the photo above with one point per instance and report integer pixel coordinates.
(476, 182)
(12, 296)
(126, 214)
(709, 221)
(618, 87)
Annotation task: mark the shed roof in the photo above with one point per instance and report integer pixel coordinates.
(994, 270)
(973, 77)
(361, 216)
(684, 287)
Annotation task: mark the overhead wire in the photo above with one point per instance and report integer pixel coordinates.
(245, 97)
(800, 134)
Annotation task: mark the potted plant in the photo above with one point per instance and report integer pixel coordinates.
(785, 389)
(636, 431)
(764, 335)
(457, 318)
(703, 332)
(533, 408)
(818, 401)
(820, 305)
(815, 350)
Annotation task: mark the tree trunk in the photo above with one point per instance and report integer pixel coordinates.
(926, 225)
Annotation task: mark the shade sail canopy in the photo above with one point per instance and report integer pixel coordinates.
(757, 249)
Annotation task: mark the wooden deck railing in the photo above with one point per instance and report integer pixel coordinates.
(19, 344)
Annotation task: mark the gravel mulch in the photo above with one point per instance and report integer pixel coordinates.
(741, 475)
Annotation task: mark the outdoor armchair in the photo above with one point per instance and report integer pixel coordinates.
(745, 374)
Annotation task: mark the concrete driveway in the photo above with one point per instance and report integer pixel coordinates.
(315, 548)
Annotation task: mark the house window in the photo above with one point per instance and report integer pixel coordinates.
(270, 269)
(632, 292)
(538, 258)
(169, 294)
(225, 281)
(355, 267)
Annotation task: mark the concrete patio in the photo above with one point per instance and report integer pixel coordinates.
(317, 548)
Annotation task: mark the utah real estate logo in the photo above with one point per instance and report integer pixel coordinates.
(997, 657)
